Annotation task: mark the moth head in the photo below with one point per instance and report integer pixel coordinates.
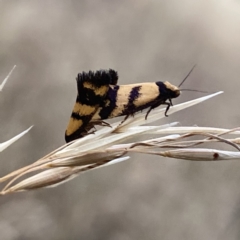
(172, 90)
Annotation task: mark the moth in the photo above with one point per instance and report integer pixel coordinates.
(100, 98)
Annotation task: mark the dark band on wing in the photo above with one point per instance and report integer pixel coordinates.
(130, 108)
(89, 97)
(112, 103)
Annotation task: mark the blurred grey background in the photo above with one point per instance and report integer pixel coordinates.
(146, 197)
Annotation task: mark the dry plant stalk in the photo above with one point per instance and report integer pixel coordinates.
(103, 149)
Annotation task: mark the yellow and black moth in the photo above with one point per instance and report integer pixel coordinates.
(99, 98)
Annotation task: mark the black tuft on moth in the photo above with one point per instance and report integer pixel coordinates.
(99, 98)
(98, 78)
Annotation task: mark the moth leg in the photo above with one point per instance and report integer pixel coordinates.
(85, 133)
(126, 117)
(149, 110)
(105, 124)
(91, 126)
(101, 123)
(87, 129)
(154, 106)
(167, 108)
(91, 132)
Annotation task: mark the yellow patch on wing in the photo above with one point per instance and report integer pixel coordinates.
(148, 92)
(122, 100)
(171, 86)
(73, 126)
(83, 109)
(101, 91)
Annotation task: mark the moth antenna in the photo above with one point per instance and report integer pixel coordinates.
(187, 76)
(194, 90)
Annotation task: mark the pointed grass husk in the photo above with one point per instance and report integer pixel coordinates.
(6, 79)
(9, 142)
(104, 148)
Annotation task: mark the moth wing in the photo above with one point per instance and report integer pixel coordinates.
(92, 90)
